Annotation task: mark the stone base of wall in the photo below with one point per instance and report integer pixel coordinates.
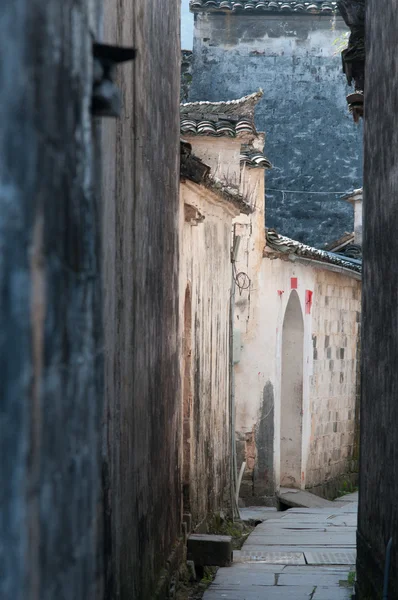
(335, 487)
(258, 501)
(250, 494)
(256, 450)
(168, 581)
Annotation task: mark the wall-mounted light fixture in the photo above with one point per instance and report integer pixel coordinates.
(106, 101)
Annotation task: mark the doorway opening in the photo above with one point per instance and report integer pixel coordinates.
(292, 394)
(187, 400)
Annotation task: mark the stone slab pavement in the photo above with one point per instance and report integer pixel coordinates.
(300, 554)
(258, 513)
(293, 497)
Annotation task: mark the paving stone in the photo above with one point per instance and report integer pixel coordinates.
(269, 555)
(293, 548)
(315, 511)
(305, 553)
(342, 570)
(330, 537)
(271, 593)
(258, 513)
(332, 557)
(349, 508)
(309, 519)
(332, 593)
(317, 577)
(254, 567)
(349, 497)
(290, 526)
(343, 521)
(245, 580)
(301, 498)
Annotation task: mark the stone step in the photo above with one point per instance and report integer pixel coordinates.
(302, 499)
(210, 550)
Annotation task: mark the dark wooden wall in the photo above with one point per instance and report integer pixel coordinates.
(50, 304)
(378, 493)
(143, 400)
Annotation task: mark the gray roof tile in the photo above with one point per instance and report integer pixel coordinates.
(240, 128)
(233, 118)
(258, 6)
(253, 158)
(286, 245)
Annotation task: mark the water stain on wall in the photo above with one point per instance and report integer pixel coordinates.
(263, 476)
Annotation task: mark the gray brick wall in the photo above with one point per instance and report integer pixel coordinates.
(333, 389)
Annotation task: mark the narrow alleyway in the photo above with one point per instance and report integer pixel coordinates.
(297, 554)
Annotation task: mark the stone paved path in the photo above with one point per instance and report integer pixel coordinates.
(298, 554)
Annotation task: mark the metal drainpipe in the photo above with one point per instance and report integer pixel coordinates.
(234, 468)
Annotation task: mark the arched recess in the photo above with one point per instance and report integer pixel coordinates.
(292, 394)
(187, 399)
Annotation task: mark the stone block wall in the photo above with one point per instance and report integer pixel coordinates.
(333, 383)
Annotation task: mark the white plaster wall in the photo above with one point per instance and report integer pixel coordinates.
(358, 222)
(220, 154)
(292, 394)
(205, 265)
(259, 314)
(311, 35)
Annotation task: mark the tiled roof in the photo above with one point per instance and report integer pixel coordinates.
(242, 107)
(342, 242)
(254, 159)
(351, 251)
(191, 126)
(286, 245)
(232, 118)
(230, 194)
(354, 196)
(258, 6)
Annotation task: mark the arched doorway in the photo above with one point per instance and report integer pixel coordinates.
(292, 394)
(187, 399)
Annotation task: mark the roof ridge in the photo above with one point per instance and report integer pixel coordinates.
(246, 104)
(287, 245)
(236, 6)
